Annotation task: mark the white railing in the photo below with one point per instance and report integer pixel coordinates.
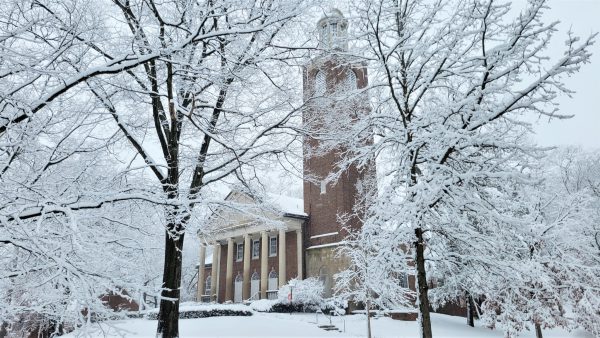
(255, 296)
(272, 294)
(205, 299)
(328, 317)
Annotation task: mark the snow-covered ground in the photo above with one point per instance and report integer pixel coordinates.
(304, 325)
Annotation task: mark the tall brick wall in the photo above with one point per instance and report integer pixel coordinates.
(339, 198)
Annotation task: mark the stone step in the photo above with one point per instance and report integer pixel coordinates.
(328, 327)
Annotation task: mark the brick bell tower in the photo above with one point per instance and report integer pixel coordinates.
(332, 83)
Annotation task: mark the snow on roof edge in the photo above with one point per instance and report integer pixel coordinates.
(287, 204)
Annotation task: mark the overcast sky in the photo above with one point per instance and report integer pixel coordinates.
(583, 17)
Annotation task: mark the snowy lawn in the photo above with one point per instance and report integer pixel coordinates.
(303, 325)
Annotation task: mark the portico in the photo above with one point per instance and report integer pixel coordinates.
(251, 259)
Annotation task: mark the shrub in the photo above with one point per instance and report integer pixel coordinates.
(334, 306)
(306, 291)
(263, 305)
(191, 310)
(307, 296)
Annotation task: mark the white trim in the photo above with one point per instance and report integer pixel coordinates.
(325, 235)
(239, 230)
(324, 245)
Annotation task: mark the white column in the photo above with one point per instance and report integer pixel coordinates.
(281, 254)
(214, 278)
(246, 272)
(264, 264)
(299, 252)
(229, 271)
(201, 273)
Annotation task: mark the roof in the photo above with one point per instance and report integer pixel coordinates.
(278, 205)
(288, 205)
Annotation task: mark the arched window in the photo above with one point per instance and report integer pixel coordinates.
(273, 280)
(404, 280)
(320, 83)
(323, 275)
(208, 285)
(255, 276)
(254, 286)
(237, 288)
(272, 285)
(326, 280)
(350, 81)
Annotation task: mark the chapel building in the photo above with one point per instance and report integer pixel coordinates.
(251, 257)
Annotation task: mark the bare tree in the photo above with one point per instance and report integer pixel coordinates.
(194, 93)
(451, 83)
(377, 276)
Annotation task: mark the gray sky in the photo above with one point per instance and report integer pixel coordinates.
(583, 17)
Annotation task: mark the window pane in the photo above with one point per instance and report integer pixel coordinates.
(207, 285)
(272, 246)
(350, 81)
(255, 249)
(240, 251)
(320, 83)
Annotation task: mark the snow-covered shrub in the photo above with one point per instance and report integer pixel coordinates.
(280, 307)
(305, 291)
(335, 306)
(263, 305)
(306, 295)
(191, 310)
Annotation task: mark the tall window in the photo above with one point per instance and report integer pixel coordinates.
(207, 285)
(237, 288)
(334, 30)
(272, 246)
(255, 248)
(273, 280)
(404, 279)
(350, 81)
(239, 252)
(320, 83)
(323, 275)
(255, 276)
(255, 286)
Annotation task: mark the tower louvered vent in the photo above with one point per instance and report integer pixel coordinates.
(320, 84)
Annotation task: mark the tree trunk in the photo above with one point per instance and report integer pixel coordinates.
(168, 315)
(422, 288)
(470, 310)
(538, 331)
(3, 329)
(368, 308)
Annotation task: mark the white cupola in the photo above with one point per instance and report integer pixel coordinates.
(333, 31)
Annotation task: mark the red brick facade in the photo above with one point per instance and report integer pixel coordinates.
(324, 204)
